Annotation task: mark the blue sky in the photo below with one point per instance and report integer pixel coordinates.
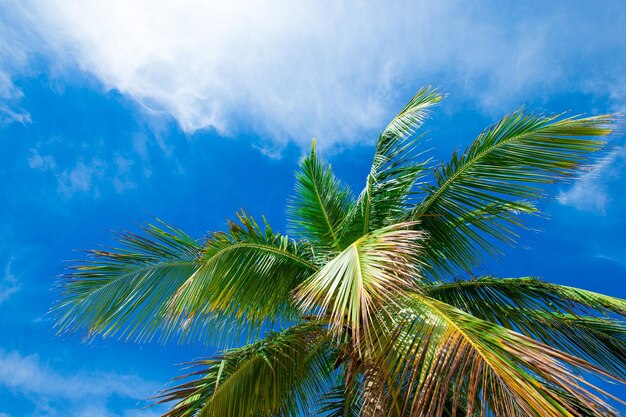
(111, 113)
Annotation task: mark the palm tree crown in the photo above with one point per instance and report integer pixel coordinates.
(362, 310)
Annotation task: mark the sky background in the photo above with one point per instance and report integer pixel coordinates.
(111, 113)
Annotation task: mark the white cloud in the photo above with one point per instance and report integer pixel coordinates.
(293, 70)
(13, 56)
(591, 191)
(84, 174)
(81, 178)
(41, 162)
(82, 393)
(123, 174)
(9, 283)
(10, 96)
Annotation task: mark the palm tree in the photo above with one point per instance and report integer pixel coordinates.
(363, 308)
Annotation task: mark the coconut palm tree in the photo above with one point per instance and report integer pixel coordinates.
(366, 307)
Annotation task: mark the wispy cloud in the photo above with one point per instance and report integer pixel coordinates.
(9, 284)
(123, 179)
(82, 393)
(91, 169)
(591, 191)
(41, 162)
(10, 96)
(293, 70)
(15, 50)
(81, 178)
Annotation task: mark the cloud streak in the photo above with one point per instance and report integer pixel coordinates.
(9, 283)
(81, 393)
(591, 191)
(290, 71)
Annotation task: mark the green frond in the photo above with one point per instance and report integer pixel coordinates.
(600, 341)
(320, 205)
(407, 121)
(552, 314)
(341, 401)
(244, 279)
(279, 375)
(498, 371)
(166, 284)
(504, 165)
(123, 291)
(371, 272)
(478, 296)
(395, 171)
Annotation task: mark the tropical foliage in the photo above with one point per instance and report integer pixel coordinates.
(364, 309)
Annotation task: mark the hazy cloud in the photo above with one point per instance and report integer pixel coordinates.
(122, 180)
(82, 393)
(293, 70)
(95, 168)
(14, 55)
(9, 283)
(10, 96)
(81, 178)
(591, 191)
(41, 162)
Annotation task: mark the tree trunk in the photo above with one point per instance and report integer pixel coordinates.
(373, 394)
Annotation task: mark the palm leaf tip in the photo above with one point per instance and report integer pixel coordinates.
(123, 291)
(320, 205)
(411, 116)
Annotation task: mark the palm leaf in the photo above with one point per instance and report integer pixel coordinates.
(320, 205)
(553, 314)
(245, 279)
(123, 291)
(165, 283)
(278, 375)
(504, 165)
(371, 272)
(394, 171)
(497, 371)
(341, 401)
(600, 341)
(406, 122)
(480, 296)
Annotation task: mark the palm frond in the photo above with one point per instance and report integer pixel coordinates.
(245, 279)
(320, 205)
(341, 401)
(371, 272)
(394, 172)
(498, 372)
(279, 375)
(479, 297)
(550, 313)
(123, 291)
(504, 165)
(406, 122)
(167, 284)
(600, 341)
